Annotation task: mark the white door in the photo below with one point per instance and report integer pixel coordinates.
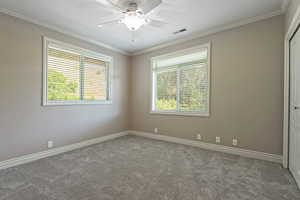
(294, 135)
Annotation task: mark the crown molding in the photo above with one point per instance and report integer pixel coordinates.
(285, 5)
(209, 32)
(60, 30)
(196, 35)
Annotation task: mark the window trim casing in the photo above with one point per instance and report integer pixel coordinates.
(153, 88)
(81, 51)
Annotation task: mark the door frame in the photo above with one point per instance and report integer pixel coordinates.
(288, 36)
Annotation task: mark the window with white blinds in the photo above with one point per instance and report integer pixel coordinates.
(180, 82)
(75, 76)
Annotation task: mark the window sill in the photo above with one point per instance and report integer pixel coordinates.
(70, 103)
(190, 114)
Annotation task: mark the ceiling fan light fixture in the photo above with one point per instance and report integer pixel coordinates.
(134, 20)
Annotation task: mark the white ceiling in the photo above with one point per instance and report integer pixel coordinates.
(81, 17)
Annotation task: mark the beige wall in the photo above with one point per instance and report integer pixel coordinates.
(246, 102)
(26, 126)
(246, 89)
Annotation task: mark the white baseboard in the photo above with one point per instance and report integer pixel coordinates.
(213, 147)
(296, 175)
(36, 156)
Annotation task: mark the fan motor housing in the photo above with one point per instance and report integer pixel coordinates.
(132, 6)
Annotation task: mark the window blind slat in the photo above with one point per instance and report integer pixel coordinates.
(74, 75)
(193, 89)
(63, 75)
(95, 79)
(166, 90)
(181, 82)
(200, 56)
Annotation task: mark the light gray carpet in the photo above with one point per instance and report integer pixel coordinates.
(134, 168)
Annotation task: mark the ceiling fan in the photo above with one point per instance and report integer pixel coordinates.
(133, 13)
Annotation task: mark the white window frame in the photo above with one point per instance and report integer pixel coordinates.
(82, 52)
(153, 87)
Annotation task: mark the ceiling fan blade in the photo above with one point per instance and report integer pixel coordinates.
(104, 2)
(111, 4)
(108, 23)
(157, 23)
(149, 5)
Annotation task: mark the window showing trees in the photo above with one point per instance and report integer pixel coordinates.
(166, 90)
(181, 82)
(73, 76)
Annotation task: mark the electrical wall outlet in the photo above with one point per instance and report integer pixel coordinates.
(199, 137)
(155, 130)
(50, 144)
(234, 142)
(218, 139)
